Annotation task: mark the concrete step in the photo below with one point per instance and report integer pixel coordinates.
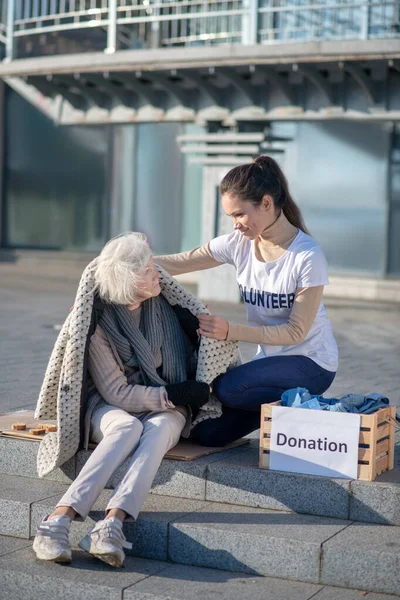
(233, 477)
(240, 539)
(23, 577)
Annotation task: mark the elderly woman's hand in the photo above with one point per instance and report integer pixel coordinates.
(213, 327)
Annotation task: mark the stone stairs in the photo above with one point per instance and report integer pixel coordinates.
(222, 517)
(24, 578)
(233, 477)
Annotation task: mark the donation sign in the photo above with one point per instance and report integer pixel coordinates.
(316, 442)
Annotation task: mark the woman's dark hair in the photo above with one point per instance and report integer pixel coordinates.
(263, 177)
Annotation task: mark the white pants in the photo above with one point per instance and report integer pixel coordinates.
(119, 434)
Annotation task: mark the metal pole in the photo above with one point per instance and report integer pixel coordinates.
(10, 31)
(155, 29)
(250, 22)
(365, 10)
(112, 27)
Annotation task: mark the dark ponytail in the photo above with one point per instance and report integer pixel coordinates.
(263, 177)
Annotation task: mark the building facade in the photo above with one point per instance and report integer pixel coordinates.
(89, 152)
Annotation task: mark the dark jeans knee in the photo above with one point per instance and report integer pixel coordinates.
(225, 392)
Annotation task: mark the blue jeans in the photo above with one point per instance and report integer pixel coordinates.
(264, 380)
(232, 425)
(242, 391)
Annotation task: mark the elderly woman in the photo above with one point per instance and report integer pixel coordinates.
(140, 396)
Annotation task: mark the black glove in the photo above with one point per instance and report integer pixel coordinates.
(188, 393)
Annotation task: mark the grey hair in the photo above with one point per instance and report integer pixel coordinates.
(117, 273)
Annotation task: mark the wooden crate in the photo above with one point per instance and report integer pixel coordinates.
(375, 447)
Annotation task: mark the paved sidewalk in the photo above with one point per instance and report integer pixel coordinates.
(32, 305)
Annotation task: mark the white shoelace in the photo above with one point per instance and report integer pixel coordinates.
(108, 529)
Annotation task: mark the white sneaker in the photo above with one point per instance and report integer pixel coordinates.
(51, 541)
(106, 541)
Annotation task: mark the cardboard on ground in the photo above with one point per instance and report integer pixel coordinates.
(185, 450)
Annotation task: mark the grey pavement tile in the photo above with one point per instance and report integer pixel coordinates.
(251, 540)
(18, 457)
(363, 556)
(335, 593)
(179, 582)
(149, 534)
(373, 502)
(23, 577)
(10, 544)
(16, 495)
(241, 481)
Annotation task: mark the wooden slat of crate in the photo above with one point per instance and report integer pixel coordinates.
(264, 460)
(378, 433)
(392, 436)
(381, 448)
(375, 431)
(365, 420)
(266, 443)
(265, 427)
(372, 420)
(383, 431)
(364, 471)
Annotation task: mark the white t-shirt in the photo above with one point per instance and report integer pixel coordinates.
(268, 291)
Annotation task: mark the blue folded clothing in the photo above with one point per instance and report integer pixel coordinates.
(351, 403)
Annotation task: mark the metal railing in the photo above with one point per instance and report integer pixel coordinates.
(299, 20)
(166, 23)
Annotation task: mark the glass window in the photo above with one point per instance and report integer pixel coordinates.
(192, 196)
(55, 181)
(338, 174)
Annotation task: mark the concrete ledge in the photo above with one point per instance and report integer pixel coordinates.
(18, 457)
(223, 55)
(250, 540)
(232, 538)
(16, 496)
(233, 477)
(239, 480)
(375, 503)
(22, 577)
(363, 555)
(363, 288)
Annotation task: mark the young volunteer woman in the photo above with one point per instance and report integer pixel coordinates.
(281, 272)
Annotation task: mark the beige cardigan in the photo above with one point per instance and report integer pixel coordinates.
(120, 386)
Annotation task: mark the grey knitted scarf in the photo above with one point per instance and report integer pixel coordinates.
(159, 332)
